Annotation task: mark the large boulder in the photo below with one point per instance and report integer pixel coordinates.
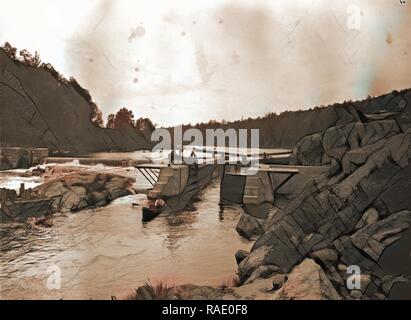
(374, 238)
(251, 263)
(249, 226)
(331, 146)
(307, 281)
(81, 190)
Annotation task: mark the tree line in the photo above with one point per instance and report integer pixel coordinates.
(124, 117)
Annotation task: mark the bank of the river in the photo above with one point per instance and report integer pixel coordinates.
(109, 252)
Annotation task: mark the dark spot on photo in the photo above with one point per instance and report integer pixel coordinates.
(388, 39)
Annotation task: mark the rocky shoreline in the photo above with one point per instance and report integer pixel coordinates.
(348, 217)
(84, 190)
(65, 189)
(357, 215)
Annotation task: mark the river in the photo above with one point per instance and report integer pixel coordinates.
(97, 254)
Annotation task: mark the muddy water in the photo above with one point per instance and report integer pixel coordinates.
(110, 252)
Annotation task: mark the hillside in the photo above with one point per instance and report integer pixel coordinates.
(37, 109)
(288, 128)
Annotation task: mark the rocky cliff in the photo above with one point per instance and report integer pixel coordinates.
(341, 228)
(37, 109)
(356, 214)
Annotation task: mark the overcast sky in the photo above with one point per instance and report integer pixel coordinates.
(188, 61)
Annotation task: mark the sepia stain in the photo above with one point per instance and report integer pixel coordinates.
(388, 39)
(136, 69)
(235, 57)
(183, 34)
(389, 74)
(135, 80)
(88, 54)
(252, 31)
(202, 65)
(138, 32)
(171, 17)
(250, 41)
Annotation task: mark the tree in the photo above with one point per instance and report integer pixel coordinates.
(145, 124)
(10, 50)
(29, 59)
(96, 116)
(57, 75)
(124, 117)
(110, 121)
(80, 90)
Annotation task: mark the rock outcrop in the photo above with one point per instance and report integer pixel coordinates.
(307, 281)
(78, 191)
(354, 213)
(39, 110)
(249, 226)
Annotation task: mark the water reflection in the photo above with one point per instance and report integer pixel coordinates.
(109, 251)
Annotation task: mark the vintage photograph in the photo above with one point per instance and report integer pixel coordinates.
(221, 150)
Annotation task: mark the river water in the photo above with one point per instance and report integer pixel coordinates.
(97, 254)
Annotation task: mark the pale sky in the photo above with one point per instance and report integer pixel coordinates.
(186, 61)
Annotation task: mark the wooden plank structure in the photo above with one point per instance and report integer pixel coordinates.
(230, 159)
(231, 155)
(150, 171)
(250, 171)
(238, 170)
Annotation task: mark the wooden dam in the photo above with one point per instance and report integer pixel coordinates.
(174, 186)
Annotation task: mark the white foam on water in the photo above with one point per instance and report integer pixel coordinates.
(14, 182)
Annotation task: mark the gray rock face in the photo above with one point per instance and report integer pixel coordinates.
(355, 213)
(279, 280)
(370, 217)
(252, 262)
(240, 255)
(307, 281)
(262, 272)
(389, 262)
(249, 226)
(373, 239)
(36, 110)
(325, 255)
(335, 142)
